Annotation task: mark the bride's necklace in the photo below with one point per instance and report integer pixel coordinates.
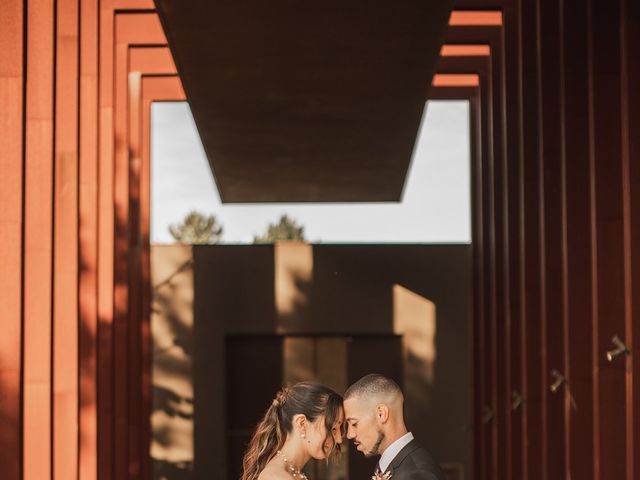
(291, 468)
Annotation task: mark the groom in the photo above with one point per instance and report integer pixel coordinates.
(375, 424)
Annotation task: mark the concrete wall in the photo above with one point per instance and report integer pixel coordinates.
(419, 292)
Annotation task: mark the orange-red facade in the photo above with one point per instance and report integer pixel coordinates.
(556, 232)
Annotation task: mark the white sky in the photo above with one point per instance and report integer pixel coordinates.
(435, 207)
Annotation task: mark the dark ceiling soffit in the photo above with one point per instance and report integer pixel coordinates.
(314, 104)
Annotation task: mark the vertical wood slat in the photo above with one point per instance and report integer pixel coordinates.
(105, 260)
(135, 279)
(630, 22)
(533, 388)
(65, 252)
(550, 57)
(478, 294)
(608, 238)
(88, 241)
(39, 178)
(121, 268)
(500, 254)
(512, 52)
(146, 383)
(630, 75)
(489, 283)
(578, 227)
(11, 248)
(485, 335)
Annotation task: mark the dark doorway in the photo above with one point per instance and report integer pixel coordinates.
(256, 367)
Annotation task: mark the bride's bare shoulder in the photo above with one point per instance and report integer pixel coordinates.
(273, 472)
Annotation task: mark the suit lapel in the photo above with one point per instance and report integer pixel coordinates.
(402, 454)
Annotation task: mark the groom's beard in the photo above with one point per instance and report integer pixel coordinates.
(376, 448)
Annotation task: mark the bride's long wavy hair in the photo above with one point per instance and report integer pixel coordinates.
(307, 398)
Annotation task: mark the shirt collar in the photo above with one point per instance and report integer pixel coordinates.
(392, 450)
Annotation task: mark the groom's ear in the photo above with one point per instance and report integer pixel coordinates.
(382, 413)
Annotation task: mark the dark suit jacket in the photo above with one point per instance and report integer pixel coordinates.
(414, 463)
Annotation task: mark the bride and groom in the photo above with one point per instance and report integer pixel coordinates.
(309, 420)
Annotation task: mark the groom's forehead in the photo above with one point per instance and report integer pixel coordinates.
(355, 407)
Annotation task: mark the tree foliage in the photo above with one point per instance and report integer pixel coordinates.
(286, 229)
(197, 229)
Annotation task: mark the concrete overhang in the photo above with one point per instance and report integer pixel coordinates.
(306, 101)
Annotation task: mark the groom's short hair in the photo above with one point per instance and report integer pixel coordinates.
(374, 385)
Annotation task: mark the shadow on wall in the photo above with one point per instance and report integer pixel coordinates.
(10, 422)
(88, 339)
(172, 336)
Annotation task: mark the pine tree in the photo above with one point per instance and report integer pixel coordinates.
(285, 229)
(197, 229)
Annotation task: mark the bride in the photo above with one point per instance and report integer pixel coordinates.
(303, 422)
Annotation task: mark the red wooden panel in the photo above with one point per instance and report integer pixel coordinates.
(465, 50)
(479, 371)
(120, 292)
(11, 164)
(490, 287)
(105, 244)
(134, 281)
(65, 259)
(609, 377)
(578, 238)
(502, 267)
(478, 17)
(515, 225)
(535, 367)
(151, 59)
(553, 249)
(88, 241)
(37, 455)
(455, 80)
(630, 19)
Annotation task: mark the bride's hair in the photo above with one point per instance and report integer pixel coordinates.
(307, 398)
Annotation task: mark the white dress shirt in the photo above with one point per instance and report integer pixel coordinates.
(392, 450)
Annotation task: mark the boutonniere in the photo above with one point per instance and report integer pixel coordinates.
(381, 476)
